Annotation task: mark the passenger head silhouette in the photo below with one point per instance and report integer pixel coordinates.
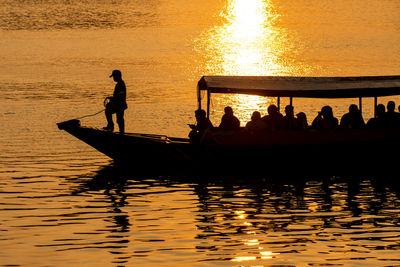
(228, 110)
(301, 115)
(272, 109)
(289, 111)
(390, 106)
(327, 112)
(353, 108)
(255, 116)
(380, 110)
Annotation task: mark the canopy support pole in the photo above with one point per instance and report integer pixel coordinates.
(375, 104)
(360, 104)
(198, 97)
(279, 104)
(208, 103)
(291, 101)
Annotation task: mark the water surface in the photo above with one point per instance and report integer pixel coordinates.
(62, 203)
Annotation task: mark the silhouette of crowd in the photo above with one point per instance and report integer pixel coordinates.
(385, 119)
(275, 121)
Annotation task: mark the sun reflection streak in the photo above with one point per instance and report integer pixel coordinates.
(244, 258)
(252, 242)
(244, 45)
(240, 214)
(265, 255)
(268, 253)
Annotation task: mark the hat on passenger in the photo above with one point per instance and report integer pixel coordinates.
(115, 73)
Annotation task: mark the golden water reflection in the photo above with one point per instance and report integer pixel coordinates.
(259, 37)
(246, 43)
(260, 252)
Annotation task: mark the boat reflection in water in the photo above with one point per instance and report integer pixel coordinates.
(272, 220)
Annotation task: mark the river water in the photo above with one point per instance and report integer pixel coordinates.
(64, 204)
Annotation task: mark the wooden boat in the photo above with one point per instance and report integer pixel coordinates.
(295, 150)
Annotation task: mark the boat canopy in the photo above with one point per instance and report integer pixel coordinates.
(311, 87)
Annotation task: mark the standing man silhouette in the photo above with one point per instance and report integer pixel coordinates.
(117, 103)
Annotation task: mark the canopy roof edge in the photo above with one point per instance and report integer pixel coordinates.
(311, 87)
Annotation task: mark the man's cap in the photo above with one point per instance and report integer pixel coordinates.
(115, 73)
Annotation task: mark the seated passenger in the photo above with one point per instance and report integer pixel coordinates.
(256, 124)
(352, 119)
(289, 122)
(273, 119)
(302, 121)
(379, 120)
(325, 119)
(202, 125)
(392, 118)
(229, 122)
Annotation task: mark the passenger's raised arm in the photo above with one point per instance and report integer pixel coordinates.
(325, 119)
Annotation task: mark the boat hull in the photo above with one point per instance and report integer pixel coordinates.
(342, 150)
